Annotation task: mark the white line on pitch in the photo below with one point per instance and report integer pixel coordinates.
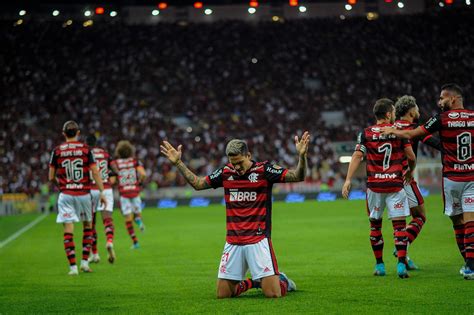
(22, 230)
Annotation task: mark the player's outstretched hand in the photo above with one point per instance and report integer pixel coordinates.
(346, 189)
(170, 152)
(302, 144)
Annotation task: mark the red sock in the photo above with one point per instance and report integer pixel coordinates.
(401, 239)
(376, 239)
(415, 226)
(469, 241)
(131, 231)
(242, 287)
(69, 247)
(109, 229)
(283, 287)
(94, 236)
(87, 239)
(459, 233)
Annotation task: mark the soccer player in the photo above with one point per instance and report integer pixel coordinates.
(407, 114)
(456, 128)
(70, 167)
(103, 160)
(384, 156)
(130, 173)
(248, 197)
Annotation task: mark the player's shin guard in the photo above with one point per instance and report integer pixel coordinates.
(376, 239)
(87, 239)
(469, 243)
(109, 229)
(401, 239)
(242, 287)
(69, 247)
(131, 231)
(459, 233)
(414, 227)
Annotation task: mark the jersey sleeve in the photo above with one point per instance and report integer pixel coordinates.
(53, 160)
(432, 142)
(275, 173)
(406, 143)
(433, 124)
(215, 179)
(361, 141)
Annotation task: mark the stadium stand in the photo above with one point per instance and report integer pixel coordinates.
(203, 84)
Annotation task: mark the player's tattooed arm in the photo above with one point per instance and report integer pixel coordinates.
(298, 174)
(174, 155)
(198, 182)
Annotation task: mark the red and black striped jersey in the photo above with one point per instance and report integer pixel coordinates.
(456, 129)
(384, 156)
(103, 160)
(72, 161)
(428, 140)
(248, 200)
(126, 170)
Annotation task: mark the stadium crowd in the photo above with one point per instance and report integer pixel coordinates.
(203, 84)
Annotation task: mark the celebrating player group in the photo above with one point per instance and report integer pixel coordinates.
(85, 175)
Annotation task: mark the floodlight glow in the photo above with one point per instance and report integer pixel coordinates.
(55, 13)
(302, 9)
(155, 12)
(87, 13)
(208, 12)
(348, 7)
(113, 13)
(401, 5)
(252, 10)
(441, 4)
(22, 12)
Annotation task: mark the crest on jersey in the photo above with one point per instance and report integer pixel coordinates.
(253, 177)
(375, 129)
(453, 115)
(230, 178)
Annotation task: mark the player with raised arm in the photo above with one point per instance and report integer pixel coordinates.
(248, 197)
(384, 155)
(407, 114)
(456, 128)
(103, 161)
(130, 174)
(70, 167)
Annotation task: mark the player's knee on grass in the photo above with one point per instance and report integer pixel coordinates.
(225, 288)
(271, 287)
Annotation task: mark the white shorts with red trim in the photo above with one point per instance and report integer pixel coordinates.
(74, 208)
(130, 205)
(109, 195)
(458, 197)
(414, 195)
(396, 203)
(236, 260)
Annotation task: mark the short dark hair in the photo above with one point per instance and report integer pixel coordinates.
(91, 140)
(382, 107)
(70, 128)
(403, 105)
(453, 88)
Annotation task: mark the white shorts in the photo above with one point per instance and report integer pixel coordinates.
(458, 197)
(130, 205)
(396, 203)
(238, 259)
(414, 195)
(109, 195)
(74, 208)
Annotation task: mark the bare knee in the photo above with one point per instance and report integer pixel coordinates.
(272, 294)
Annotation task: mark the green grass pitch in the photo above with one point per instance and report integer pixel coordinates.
(323, 246)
